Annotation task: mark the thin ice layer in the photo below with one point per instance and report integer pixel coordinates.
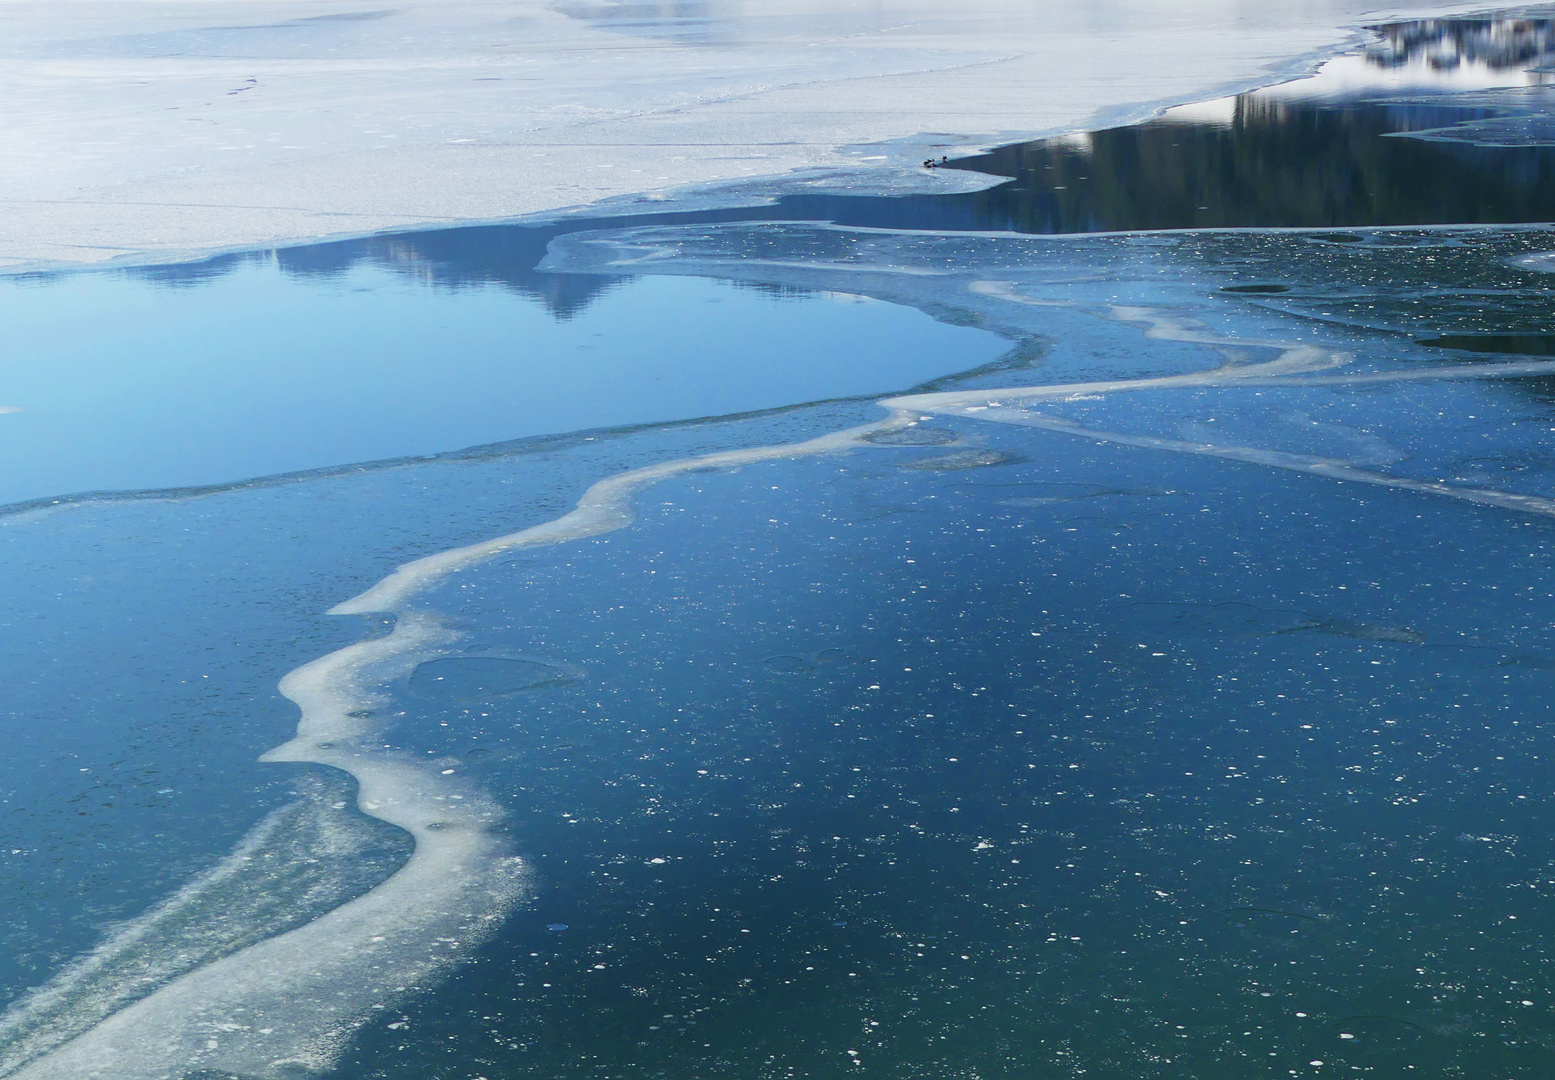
(298, 863)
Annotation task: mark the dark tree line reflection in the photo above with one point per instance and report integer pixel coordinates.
(1275, 163)
(1499, 44)
(473, 256)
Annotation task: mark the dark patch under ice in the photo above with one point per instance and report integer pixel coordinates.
(461, 678)
(961, 459)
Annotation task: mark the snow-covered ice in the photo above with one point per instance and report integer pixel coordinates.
(150, 129)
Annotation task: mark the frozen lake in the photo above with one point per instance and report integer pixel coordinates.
(1094, 625)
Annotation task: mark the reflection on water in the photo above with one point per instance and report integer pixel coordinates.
(463, 258)
(1269, 161)
(1446, 44)
(1382, 139)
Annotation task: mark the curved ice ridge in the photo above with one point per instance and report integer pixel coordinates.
(1291, 367)
(603, 508)
(289, 1005)
(297, 863)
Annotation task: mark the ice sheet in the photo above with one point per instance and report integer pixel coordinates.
(148, 129)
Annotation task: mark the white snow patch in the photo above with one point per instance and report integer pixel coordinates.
(150, 129)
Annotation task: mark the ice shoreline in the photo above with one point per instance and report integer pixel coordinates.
(326, 120)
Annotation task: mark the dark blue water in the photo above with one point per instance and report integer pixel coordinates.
(1101, 759)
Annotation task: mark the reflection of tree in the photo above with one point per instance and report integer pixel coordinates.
(1499, 44)
(502, 255)
(1277, 163)
(468, 257)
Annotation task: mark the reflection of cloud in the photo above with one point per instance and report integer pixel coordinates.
(10, 408)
